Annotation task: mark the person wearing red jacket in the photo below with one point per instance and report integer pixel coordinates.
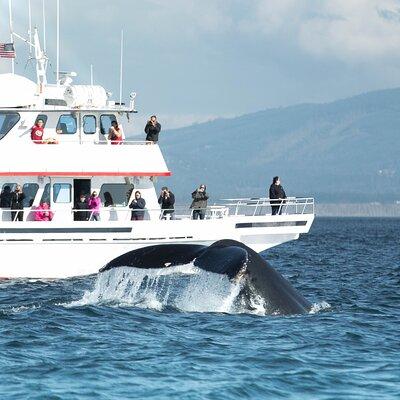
(37, 132)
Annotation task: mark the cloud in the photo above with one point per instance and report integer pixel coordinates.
(356, 30)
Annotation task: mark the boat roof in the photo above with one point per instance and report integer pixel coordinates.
(84, 160)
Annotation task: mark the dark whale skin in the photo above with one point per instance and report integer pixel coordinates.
(228, 257)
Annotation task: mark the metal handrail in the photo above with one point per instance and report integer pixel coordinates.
(248, 207)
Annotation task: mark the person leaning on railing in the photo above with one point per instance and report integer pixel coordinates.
(199, 203)
(138, 204)
(277, 196)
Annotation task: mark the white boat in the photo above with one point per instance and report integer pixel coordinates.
(78, 118)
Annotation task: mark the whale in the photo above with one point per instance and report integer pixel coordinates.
(231, 258)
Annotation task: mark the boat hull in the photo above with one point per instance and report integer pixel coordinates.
(55, 254)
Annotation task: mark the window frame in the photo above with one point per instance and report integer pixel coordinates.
(6, 113)
(34, 197)
(58, 124)
(43, 117)
(128, 186)
(95, 124)
(111, 119)
(54, 193)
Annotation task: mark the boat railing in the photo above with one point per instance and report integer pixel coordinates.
(257, 206)
(56, 142)
(231, 207)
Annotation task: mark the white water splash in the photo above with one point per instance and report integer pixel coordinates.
(185, 288)
(318, 307)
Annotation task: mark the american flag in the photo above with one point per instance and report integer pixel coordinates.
(7, 50)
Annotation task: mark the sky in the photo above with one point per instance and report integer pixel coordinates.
(194, 60)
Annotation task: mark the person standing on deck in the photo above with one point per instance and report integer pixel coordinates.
(276, 195)
(167, 202)
(199, 203)
(115, 133)
(17, 203)
(82, 209)
(94, 204)
(138, 204)
(152, 129)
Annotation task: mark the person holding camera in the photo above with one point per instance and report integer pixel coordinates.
(115, 133)
(199, 203)
(152, 129)
(167, 201)
(138, 204)
(17, 203)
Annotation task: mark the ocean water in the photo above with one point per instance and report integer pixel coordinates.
(179, 336)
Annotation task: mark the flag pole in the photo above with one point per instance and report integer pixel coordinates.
(58, 42)
(120, 70)
(11, 30)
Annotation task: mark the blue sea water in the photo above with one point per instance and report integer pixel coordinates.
(82, 339)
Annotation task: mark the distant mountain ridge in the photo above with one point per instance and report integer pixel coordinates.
(343, 151)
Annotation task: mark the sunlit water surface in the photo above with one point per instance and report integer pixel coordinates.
(180, 335)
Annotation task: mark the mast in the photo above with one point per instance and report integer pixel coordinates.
(44, 25)
(30, 25)
(41, 62)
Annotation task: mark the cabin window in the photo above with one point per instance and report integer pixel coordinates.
(43, 117)
(115, 194)
(66, 124)
(30, 190)
(7, 122)
(46, 194)
(62, 193)
(105, 122)
(6, 190)
(89, 124)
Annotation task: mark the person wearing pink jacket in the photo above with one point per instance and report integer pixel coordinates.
(43, 212)
(94, 204)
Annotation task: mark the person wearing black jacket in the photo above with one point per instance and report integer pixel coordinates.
(276, 194)
(138, 204)
(152, 129)
(199, 203)
(17, 203)
(82, 209)
(166, 201)
(5, 197)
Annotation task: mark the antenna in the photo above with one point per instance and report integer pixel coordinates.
(58, 42)
(91, 74)
(11, 30)
(44, 25)
(30, 26)
(120, 71)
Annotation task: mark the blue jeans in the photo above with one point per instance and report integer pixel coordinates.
(95, 217)
(199, 214)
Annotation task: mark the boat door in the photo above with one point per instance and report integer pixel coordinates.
(61, 199)
(81, 186)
